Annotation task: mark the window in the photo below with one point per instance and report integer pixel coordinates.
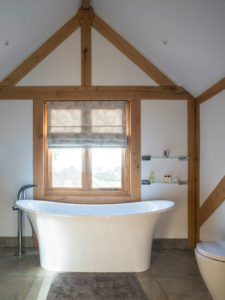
(86, 147)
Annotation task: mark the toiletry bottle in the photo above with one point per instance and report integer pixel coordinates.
(165, 179)
(152, 177)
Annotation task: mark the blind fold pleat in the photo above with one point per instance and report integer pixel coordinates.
(86, 124)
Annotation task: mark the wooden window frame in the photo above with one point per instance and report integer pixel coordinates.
(131, 185)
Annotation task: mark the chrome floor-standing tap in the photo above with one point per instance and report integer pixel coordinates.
(21, 196)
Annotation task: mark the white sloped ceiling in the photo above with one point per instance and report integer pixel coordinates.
(185, 39)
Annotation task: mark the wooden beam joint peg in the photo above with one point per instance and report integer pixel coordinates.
(86, 4)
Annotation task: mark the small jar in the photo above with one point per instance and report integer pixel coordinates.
(169, 178)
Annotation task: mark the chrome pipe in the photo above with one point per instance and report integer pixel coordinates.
(21, 196)
(20, 251)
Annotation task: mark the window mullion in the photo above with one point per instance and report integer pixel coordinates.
(90, 169)
(87, 170)
(49, 169)
(123, 169)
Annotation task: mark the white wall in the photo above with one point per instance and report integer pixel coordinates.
(112, 67)
(61, 67)
(212, 163)
(164, 126)
(16, 158)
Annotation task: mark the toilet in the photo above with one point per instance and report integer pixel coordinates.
(210, 257)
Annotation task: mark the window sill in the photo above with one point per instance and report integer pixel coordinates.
(90, 199)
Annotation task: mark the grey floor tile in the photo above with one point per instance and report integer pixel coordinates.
(151, 287)
(174, 263)
(188, 288)
(16, 266)
(14, 287)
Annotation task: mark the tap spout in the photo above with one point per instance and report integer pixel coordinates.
(20, 195)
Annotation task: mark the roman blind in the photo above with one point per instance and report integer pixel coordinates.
(86, 124)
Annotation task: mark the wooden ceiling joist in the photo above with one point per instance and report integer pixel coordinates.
(126, 48)
(45, 49)
(74, 92)
(212, 91)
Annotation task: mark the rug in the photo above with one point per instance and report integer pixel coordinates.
(96, 286)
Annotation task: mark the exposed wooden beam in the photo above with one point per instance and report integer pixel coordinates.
(212, 91)
(37, 56)
(191, 174)
(212, 202)
(135, 149)
(127, 49)
(197, 167)
(38, 147)
(38, 152)
(85, 19)
(93, 92)
(86, 4)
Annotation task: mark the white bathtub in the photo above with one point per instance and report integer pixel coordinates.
(94, 238)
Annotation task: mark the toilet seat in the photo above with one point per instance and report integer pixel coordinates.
(213, 250)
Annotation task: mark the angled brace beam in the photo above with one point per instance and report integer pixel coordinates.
(212, 202)
(212, 91)
(44, 50)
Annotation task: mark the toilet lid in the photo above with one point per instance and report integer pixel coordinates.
(213, 250)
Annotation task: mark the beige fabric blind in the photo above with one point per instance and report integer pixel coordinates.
(86, 124)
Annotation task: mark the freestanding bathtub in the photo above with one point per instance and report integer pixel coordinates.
(94, 238)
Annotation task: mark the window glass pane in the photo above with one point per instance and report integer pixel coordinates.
(67, 168)
(106, 168)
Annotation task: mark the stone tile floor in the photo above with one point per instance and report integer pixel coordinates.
(173, 275)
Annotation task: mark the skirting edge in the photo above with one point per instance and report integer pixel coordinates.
(11, 242)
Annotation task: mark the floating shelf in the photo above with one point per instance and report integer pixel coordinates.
(147, 182)
(179, 157)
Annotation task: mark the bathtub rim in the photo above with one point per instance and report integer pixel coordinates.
(36, 212)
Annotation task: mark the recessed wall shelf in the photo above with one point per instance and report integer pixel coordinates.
(179, 182)
(150, 157)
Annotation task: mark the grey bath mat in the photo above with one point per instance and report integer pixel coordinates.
(96, 286)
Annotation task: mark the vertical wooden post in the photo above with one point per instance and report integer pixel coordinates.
(38, 152)
(135, 150)
(191, 173)
(38, 147)
(197, 168)
(85, 19)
